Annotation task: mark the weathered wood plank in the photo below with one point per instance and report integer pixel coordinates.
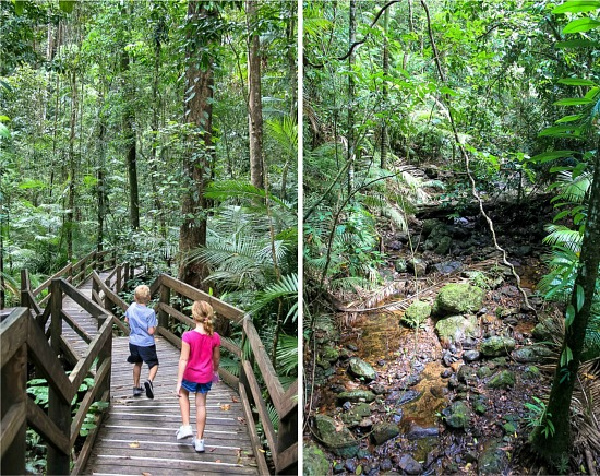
(13, 332)
(81, 299)
(39, 421)
(46, 361)
(11, 424)
(256, 443)
(46, 283)
(79, 330)
(86, 450)
(81, 369)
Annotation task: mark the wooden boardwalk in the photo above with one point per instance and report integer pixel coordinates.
(137, 435)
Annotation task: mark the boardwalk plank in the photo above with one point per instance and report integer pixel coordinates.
(152, 423)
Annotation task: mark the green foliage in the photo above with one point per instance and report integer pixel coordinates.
(539, 418)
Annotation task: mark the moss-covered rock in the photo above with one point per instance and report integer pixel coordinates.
(383, 432)
(496, 346)
(356, 396)
(456, 329)
(493, 459)
(503, 379)
(360, 369)
(314, 462)
(416, 313)
(325, 330)
(456, 298)
(532, 353)
(400, 266)
(330, 353)
(532, 373)
(336, 438)
(457, 415)
(356, 414)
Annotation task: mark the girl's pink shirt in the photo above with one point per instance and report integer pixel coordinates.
(200, 364)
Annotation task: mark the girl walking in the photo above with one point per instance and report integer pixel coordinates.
(198, 366)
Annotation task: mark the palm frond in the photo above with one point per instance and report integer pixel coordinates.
(241, 190)
(563, 236)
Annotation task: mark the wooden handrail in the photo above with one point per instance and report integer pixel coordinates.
(46, 283)
(21, 330)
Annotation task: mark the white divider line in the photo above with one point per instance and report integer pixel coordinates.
(169, 460)
(117, 405)
(173, 429)
(178, 443)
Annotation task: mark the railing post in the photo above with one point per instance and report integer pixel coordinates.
(59, 410)
(14, 381)
(164, 297)
(103, 355)
(287, 435)
(25, 288)
(119, 284)
(243, 378)
(125, 273)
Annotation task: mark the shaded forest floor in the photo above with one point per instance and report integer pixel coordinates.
(436, 405)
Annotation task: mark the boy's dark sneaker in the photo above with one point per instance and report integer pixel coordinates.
(138, 391)
(149, 388)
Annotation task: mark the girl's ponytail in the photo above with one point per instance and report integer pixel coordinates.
(203, 312)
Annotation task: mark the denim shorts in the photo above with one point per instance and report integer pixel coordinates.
(194, 387)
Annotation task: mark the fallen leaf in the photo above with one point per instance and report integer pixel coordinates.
(241, 420)
(135, 444)
(146, 474)
(234, 399)
(212, 450)
(225, 406)
(218, 461)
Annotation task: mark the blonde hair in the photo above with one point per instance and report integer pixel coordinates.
(142, 293)
(204, 313)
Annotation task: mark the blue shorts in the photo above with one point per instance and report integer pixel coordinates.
(194, 387)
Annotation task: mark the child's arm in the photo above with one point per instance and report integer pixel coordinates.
(216, 357)
(183, 361)
(152, 324)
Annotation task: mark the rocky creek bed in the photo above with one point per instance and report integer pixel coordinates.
(440, 386)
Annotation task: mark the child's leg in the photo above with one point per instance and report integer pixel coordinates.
(184, 406)
(152, 373)
(137, 371)
(200, 414)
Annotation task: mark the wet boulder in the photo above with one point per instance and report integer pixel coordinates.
(409, 465)
(417, 432)
(402, 397)
(457, 415)
(361, 370)
(400, 266)
(496, 346)
(356, 414)
(383, 432)
(336, 437)
(330, 353)
(314, 462)
(416, 266)
(456, 298)
(456, 329)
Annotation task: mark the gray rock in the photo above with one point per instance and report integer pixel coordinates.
(402, 397)
(400, 266)
(484, 372)
(532, 353)
(416, 266)
(496, 346)
(383, 432)
(456, 329)
(448, 267)
(409, 465)
(471, 355)
(466, 374)
(361, 369)
(417, 432)
(338, 440)
(314, 462)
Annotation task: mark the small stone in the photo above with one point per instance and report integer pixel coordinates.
(387, 465)
(338, 468)
(484, 372)
(378, 388)
(352, 347)
(471, 355)
(446, 373)
(457, 415)
(351, 466)
(497, 346)
(503, 379)
(381, 363)
(347, 406)
(383, 432)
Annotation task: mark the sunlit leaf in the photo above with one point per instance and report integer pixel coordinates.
(577, 82)
(577, 6)
(573, 102)
(548, 156)
(580, 26)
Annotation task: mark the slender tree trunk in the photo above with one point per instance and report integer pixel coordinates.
(129, 139)
(559, 406)
(351, 145)
(72, 168)
(198, 111)
(101, 174)
(384, 129)
(255, 98)
(290, 32)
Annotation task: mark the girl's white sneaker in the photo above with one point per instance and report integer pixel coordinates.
(199, 446)
(184, 432)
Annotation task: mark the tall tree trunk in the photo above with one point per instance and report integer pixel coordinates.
(255, 98)
(198, 111)
(384, 129)
(351, 146)
(101, 174)
(292, 54)
(129, 137)
(557, 446)
(72, 168)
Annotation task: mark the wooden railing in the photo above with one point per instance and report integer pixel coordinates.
(283, 443)
(22, 340)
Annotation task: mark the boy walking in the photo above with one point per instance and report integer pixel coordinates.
(142, 325)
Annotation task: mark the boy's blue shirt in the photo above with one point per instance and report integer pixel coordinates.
(141, 318)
